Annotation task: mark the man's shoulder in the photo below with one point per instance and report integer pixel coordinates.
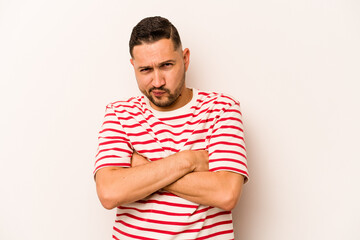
(217, 98)
(135, 103)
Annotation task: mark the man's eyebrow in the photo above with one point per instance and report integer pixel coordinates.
(159, 64)
(143, 67)
(167, 61)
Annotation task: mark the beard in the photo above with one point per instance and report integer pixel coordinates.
(170, 99)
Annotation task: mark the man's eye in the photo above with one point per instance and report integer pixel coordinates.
(167, 64)
(144, 69)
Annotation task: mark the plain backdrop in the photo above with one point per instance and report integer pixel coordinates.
(293, 65)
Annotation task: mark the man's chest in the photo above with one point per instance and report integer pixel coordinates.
(157, 138)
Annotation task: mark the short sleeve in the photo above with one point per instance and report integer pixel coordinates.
(114, 148)
(226, 147)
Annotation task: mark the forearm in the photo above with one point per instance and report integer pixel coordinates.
(117, 186)
(218, 189)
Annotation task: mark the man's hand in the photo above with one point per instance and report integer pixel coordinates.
(200, 159)
(138, 160)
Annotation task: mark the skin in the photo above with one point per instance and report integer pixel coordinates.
(160, 73)
(218, 189)
(113, 183)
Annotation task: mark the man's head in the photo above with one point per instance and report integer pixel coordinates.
(152, 29)
(160, 63)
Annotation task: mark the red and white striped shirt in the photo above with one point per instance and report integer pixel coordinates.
(210, 121)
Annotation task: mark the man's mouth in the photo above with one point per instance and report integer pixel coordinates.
(158, 93)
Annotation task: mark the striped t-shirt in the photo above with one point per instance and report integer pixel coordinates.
(210, 121)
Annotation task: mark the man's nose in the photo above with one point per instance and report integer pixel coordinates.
(158, 79)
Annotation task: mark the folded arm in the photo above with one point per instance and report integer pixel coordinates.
(218, 189)
(116, 186)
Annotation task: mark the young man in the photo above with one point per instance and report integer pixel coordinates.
(172, 161)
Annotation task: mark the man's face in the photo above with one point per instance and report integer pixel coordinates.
(160, 73)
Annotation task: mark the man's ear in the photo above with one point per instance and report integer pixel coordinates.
(186, 57)
(131, 61)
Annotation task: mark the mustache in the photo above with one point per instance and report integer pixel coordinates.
(160, 89)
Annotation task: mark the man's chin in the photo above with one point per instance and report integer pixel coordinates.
(162, 104)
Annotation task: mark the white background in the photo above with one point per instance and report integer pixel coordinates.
(293, 65)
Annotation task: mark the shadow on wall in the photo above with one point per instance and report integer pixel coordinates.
(248, 205)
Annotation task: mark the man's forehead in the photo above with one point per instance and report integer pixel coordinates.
(160, 51)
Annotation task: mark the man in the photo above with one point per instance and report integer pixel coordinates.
(172, 161)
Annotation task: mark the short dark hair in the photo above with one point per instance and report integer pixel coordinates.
(152, 29)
